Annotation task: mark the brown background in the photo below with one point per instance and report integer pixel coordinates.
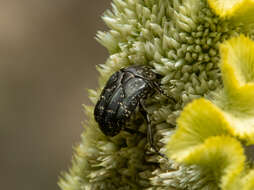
(47, 60)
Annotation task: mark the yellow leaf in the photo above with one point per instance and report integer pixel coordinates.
(238, 11)
(237, 65)
(198, 121)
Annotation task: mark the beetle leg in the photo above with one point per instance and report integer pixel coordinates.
(133, 131)
(149, 129)
(161, 91)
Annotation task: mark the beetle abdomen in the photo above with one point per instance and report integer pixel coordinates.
(135, 90)
(118, 100)
(105, 96)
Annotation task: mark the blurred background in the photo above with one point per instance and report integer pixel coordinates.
(47, 61)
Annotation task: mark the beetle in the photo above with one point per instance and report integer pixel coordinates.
(126, 90)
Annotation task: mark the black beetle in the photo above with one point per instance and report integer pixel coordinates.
(125, 90)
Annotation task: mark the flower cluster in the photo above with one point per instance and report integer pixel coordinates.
(213, 134)
(181, 40)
